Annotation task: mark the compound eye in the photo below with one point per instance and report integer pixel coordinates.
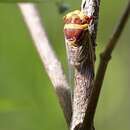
(88, 19)
(77, 21)
(85, 20)
(64, 18)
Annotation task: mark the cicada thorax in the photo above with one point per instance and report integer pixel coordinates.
(75, 32)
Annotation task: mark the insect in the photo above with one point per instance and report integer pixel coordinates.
(77, 37)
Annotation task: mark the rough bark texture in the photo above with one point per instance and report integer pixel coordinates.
(91, 8)
(83, 83)
(82, 61)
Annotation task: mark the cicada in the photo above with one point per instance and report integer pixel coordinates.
(78, 38)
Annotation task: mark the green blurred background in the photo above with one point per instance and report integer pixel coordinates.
(27, 97)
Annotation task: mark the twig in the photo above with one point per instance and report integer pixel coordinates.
(91, 8)
(105, 57)
(48, 57)
(84, 71)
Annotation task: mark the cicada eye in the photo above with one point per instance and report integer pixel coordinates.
(64, 18)
(87, 19)
(77, 21)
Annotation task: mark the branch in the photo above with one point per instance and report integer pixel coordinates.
(91, 8)
(81, 57)
(48, 57)
(105, 57)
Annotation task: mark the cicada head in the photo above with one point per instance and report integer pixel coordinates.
(76, 24)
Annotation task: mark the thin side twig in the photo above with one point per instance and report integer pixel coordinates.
(105, 57)
(51, 63)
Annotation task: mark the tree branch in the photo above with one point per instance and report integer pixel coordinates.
(105, 57)
(48, 57)
(91, 8)
(81, 57)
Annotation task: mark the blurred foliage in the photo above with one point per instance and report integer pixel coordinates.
(27, 98)
(14, 1)
(62, 7)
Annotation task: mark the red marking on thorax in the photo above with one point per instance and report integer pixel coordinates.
(75, 34)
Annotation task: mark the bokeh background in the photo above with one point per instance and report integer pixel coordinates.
(27, 97)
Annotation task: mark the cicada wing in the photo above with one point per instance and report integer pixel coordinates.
(91, 51)
(85, 56)
(70, 71)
